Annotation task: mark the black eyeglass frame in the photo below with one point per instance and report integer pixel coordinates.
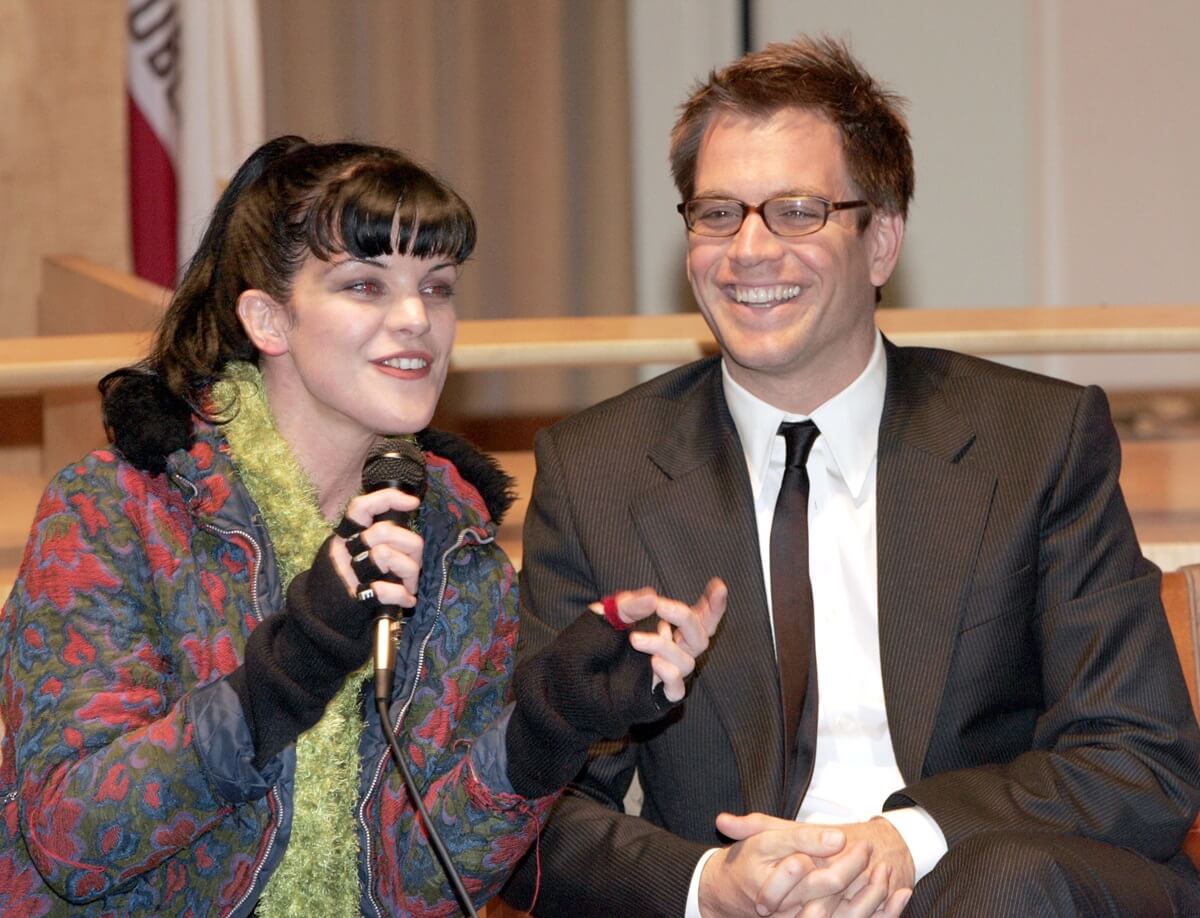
(760, 209)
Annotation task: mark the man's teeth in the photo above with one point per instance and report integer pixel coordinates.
(406, 363)
(756, 295)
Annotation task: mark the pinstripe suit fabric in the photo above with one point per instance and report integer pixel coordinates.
(1029, 675)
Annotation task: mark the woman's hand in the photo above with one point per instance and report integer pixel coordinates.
(682, 634)
(386, 556)
(297, 661)
(592, 682)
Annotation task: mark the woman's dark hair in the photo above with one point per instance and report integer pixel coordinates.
(289, 199)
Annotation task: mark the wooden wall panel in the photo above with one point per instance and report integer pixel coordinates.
(116, 302)
(523, 107)
(62, 164)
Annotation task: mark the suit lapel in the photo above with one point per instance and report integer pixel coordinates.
(932, 507)
(699, 523)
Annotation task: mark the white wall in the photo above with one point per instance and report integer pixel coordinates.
(1118, 147)
(1126, 152)
(672, 45)
(964, 69)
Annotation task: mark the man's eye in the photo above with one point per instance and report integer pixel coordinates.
(800, 212)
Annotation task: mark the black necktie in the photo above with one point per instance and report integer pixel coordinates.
(791, 590)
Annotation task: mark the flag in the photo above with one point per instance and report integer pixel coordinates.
(152, 91)
(221, 105)
(195, 112)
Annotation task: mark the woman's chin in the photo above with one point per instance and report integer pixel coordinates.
(407, 423)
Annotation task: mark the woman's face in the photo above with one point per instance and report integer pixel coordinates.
(365, 346)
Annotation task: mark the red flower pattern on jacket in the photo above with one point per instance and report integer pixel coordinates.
(134, 595)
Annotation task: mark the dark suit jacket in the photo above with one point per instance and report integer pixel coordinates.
(1029, 675)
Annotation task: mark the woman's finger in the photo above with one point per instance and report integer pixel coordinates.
(690, 632)
(391, 594)
(397, 565)
(388, 555)
(632, 605)
(660, 644)
(364, 508)
(711, 606)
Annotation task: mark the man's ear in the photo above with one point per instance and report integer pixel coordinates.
(265, 322)
(886, 233)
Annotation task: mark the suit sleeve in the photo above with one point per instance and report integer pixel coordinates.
(594, 859)
(1115, 749)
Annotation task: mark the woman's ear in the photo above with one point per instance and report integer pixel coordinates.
(265, 322)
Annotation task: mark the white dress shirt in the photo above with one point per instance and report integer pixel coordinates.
(855, 766)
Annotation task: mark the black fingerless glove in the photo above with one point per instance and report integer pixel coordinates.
(297, 660)
(589, 685)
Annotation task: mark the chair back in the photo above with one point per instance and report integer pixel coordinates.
(1181, 599)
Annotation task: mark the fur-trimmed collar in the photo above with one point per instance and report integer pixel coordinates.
(147, 423)
(481, 471)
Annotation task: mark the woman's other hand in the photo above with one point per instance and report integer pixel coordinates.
(682, 634)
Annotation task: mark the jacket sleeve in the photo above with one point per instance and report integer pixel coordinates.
(1115, 754)
(632, 866)
(453, 734)
(108, 778)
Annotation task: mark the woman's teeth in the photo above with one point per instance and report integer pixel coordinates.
(406, 363)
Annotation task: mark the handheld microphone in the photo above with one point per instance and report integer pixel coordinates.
(392, 463)
(396, 463)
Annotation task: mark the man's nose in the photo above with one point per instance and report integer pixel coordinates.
(754, 242)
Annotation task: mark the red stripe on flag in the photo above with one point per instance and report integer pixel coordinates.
(152, 201)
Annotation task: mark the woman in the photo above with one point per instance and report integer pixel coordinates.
(183, 651)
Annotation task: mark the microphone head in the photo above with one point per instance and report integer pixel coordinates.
(395, 462)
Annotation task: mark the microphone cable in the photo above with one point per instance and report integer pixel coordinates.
(399, 463)
(460, 892)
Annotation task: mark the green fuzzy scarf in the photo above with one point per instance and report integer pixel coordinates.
(321, 861)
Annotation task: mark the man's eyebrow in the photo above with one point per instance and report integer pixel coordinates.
(792, 192)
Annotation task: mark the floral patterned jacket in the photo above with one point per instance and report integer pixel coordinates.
(126, 783)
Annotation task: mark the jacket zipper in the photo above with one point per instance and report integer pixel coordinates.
(275, 801)
(379, 767)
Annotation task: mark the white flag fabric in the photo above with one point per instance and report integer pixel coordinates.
(220, 105)
(196, 111)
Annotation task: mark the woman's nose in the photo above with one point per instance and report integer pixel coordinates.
(408, 315)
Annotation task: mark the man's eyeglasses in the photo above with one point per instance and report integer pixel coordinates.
(786, 216)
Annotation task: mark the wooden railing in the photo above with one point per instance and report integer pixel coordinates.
(117, 312)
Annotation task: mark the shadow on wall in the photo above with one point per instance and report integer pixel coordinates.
(898, 291)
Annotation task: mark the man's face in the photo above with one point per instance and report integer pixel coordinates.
(794, 316)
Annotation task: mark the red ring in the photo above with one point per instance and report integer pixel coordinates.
(610, 613)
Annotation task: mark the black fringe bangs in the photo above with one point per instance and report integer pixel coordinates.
(384, 207)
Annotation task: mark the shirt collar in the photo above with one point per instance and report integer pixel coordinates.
(849, 423)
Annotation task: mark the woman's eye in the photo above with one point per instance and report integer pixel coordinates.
(440, 291)
(365, 288)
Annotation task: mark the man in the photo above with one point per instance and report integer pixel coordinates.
(989, 699)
